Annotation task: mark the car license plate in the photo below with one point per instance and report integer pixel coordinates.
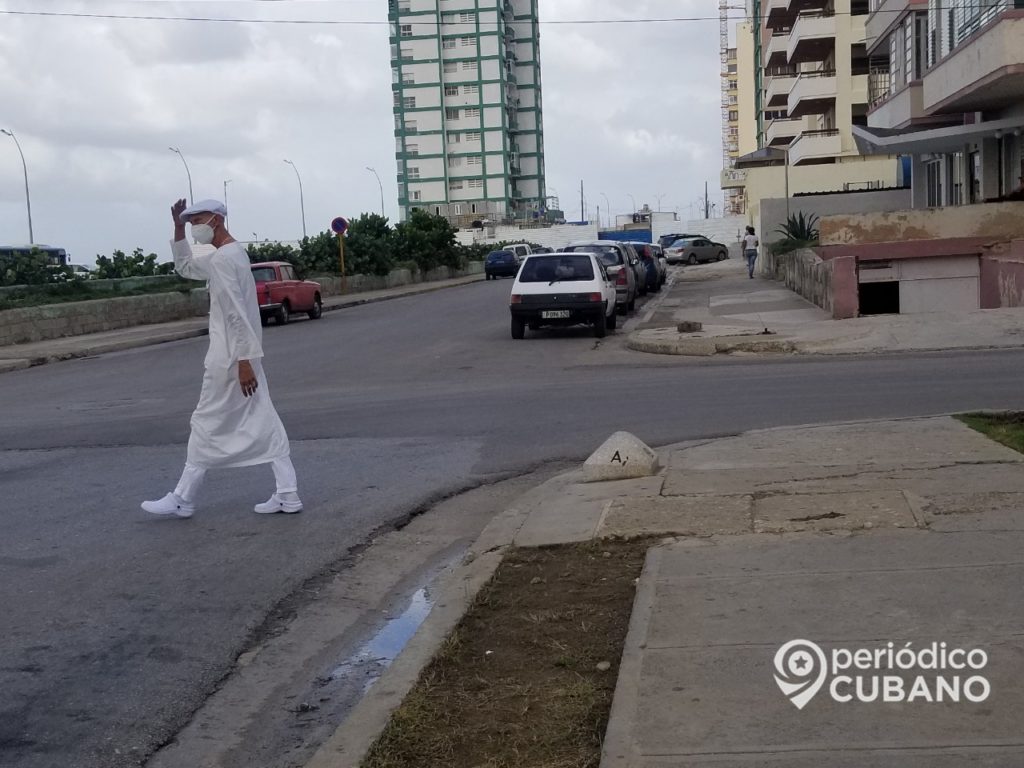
(555, 314)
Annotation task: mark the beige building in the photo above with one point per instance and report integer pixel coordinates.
(810, 88)
(947, 87)
(731, 127)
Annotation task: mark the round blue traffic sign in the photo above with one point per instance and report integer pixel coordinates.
(339, 225)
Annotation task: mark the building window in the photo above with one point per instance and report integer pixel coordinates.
(454, 138)
(732, 85)
(454, 162)
(448, 43)
(734, 114)
(469, 66)
(732, 68)
(450, 67)
(476, 183)
(410, 126)
(471, 90)
(396, 98)
(409, 79)
(409, 102)
(452, 113)
(407, 54)
(956, 178)
(451, 90)
(437, 210)
(465, 42)
(413, 172)
(415, 195)
(933, 177)
(473, 112)
(405, 30)
(466, 18)
(412, 149)
(473, 136)
(455, 186)
(474, 160)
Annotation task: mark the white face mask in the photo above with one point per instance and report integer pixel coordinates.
(202, 233)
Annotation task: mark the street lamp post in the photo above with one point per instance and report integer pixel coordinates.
(608, 209)
(187, 172)
(632, 200)
(227, 211)
(371, 170)
(24, 168)
(302, 201)
(658, 198)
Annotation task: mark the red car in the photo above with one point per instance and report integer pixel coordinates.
(281, 293)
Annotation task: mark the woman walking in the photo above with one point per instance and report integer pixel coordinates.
(750, 244)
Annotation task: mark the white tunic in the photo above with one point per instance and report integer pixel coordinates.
(228, 428)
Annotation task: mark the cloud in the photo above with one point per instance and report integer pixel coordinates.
(629, 108)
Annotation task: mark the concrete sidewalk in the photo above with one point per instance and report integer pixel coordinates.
(848, 536)
(20, 356)
(735, 311)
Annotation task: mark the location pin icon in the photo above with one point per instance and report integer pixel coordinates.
(800, 670)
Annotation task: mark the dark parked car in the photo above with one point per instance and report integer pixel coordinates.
(619, 258)
(500, 264)
(649, 257)
(666, 240)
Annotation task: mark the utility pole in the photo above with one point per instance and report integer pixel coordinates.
(24, 167)
(706, 201)
(226, 182)
(302, 200)
(583, 211)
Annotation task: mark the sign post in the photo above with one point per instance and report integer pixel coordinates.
(339, 227)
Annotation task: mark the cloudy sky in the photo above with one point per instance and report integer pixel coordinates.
(629, 109)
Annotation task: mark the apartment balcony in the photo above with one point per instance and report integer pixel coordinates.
(775, 52)
(733, 178)
(815, 147)
(813, 93)
(859, 89)
(777, 12)
(781, 132)
(898, 110)
(884, 16)
(983, 73)
(777, 90)
(812, 38)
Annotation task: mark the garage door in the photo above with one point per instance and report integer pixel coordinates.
(939, 285)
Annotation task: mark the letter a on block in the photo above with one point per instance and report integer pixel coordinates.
(621, 457)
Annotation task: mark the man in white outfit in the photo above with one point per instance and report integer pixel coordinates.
(234, 424)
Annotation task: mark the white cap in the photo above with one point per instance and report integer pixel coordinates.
(203, 206)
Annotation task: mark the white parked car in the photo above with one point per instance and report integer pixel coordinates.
(560, 289)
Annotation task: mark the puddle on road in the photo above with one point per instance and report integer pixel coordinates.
(368, 663)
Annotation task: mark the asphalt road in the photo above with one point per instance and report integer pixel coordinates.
(116, 626)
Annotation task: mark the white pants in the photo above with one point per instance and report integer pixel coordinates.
(192, 477)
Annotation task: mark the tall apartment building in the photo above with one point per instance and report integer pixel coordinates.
(947, 87)
(469, 136)
(731, 126)
(810, 88)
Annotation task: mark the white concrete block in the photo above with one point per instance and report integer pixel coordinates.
(621, 457)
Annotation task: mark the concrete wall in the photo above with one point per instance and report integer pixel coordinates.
(54, 321)
(773, 210)
(728, 229)
(999, 221)
(803, 272)
(1002, 276)
(551, 237)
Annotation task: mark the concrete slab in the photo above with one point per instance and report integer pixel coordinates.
(682, 515)
(563, 521)
(704, 639)
(15, 364)
(832, 511)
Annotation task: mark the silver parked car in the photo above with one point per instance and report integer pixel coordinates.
(620, 260)
(696, 250)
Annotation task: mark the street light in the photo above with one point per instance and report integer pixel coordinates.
(226, 211)
(632, 200)
(608, 207)
(371, 170)
(187, 172)
(658, 198)
(302, 202)
(24, 168)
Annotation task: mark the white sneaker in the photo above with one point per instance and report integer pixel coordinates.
(169, 505)
(275, 503)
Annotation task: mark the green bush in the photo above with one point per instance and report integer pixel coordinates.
(369, 246)
(800, 228)
(136, 265)
(29, 269)
(427, 240)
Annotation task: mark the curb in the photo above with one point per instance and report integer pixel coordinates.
(457, 591)
(709, 346)
(16, 364)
